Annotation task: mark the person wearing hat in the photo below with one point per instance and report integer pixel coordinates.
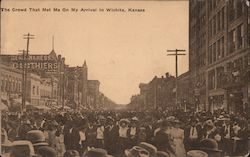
(59, 142)
(37, 138)
(96, 152)
(210, 146)
(22, 148)
(178, 137)
(227, 132)
(196, 153)
(71, 135)
(91, 133)
(100, 132)
(71, 153)
(133, 132)
(163, 140)
(192, 135)
(209, 129)
(149, 147)
(136, 151)
(123, 136)
(110, 136)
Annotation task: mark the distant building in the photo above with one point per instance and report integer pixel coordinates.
(93, 93)
(49, 91)
(158, 93)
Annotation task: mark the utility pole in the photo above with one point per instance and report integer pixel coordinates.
(25, 57)
(23, 78)
(176, 54)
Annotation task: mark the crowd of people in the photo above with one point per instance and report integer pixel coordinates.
(127, 134)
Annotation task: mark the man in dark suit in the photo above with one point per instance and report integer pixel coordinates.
(162, 139)
(192, 135)
(41, 147)
(133, 132)
(71, 136)
(110, 136)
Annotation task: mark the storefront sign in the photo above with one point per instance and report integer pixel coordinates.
(47, 63)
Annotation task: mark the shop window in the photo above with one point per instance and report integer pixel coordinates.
(33, 90)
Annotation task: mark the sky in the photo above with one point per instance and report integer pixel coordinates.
(122, 49)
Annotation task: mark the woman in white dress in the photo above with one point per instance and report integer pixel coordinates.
(178, 136)
(59, 143)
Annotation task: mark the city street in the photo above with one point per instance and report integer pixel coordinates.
(125, 78)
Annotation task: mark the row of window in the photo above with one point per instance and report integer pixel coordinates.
(236, 9)
(8, 86)
(236, 39)
(217, 23)
(216, 51)
(35, 90)
(231, 73)
(43, 93)
(212, 4)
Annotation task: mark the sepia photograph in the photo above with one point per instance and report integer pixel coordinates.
(125, 78)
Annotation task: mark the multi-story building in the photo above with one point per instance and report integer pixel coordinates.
(48, 91)
(219, 47)
(38, 67)
(11, 84)
(158, 93)
(81, 92)
(93, 93)
(33, 85)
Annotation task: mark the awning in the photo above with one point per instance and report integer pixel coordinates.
(38, 107)
(19, 100)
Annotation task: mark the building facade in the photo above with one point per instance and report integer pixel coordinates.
(37, 68)
(219, 47)
(11, 84)
(158, 93)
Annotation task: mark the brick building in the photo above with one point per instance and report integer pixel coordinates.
(219, 53)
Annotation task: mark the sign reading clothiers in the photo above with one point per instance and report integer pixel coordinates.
(38, 62)
(47, 63)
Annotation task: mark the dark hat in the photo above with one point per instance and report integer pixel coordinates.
(71, 153)
(149, 147)
(196, 153)
(96, 152)
(209, 145)
(136, 151)
(162, 154)
(36, 137)
(22, 148)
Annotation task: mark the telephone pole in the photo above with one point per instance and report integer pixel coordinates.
(25, 58)
(176, 54)
(23, 78)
